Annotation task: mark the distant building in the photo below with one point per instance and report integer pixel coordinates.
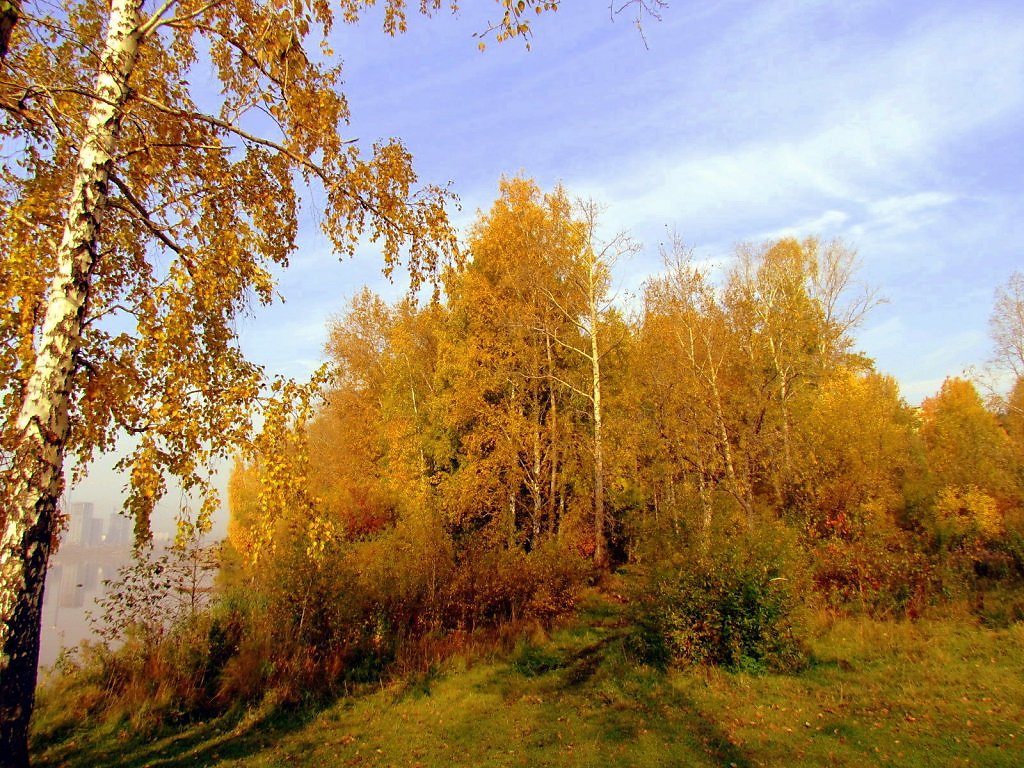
(93, 533)
(119, 531)
(72, 591)
(88, 575)
(80, 524)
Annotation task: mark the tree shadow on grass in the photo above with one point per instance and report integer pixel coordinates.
(632, 709)
(236, 735)
(704, 733)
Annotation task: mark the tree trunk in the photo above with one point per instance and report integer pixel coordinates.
(536, 481)
(600, 545)
(705, 506)
(553, 490)
(21, 648)
(36, 482)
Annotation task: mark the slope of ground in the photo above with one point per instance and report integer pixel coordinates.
(925, 693)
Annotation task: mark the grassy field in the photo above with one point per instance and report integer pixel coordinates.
(936, 693)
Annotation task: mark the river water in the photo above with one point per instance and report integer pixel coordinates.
(73, 583)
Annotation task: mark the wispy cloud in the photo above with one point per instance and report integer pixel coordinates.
(744, 121)
(822, 119)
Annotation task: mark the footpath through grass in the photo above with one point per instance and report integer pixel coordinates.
(926, 693)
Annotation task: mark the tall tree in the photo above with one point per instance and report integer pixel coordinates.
(749, 361)
(965, 444)
(694, 389)
(498, 365)
(793, 305)
(856, 449)
(584, 303)
(136, 226)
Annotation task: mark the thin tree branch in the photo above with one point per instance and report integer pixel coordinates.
(300, 160)
(179, 20)
(35, 227)
(571, 387)
(145, 218)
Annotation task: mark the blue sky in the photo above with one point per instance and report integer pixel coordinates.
(896, 126)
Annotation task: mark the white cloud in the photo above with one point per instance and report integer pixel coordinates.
(825, 223)
(899, 208)
(914, 392)
(883, 336)
(821, 118)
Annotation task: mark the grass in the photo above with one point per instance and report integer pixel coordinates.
(877, 693)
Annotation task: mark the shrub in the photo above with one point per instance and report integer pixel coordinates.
(737, 606)
(491, 586)
(883, 574)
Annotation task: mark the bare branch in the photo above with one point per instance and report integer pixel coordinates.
(1006, 325)
(143, 215)
(563, 344)
(146, 28)
(652, 8)
(180, 20)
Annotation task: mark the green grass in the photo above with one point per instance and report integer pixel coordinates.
(877, 693)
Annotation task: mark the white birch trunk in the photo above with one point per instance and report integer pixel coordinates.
(43, 424)
(600, 546)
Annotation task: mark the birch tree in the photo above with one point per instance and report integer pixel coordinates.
(137, 226)
(1006, 326)
(682, 314)
(138, 220)
(586, 299)
(498, 363)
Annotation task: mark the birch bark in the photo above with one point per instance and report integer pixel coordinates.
(42, 422)
(600, 545)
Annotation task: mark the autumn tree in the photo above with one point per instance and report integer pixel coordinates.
(969, 453)
(137, 225)
(584, 302)
(689, 368)
(858, 450)
(370, 437)
(733, 372)
(1013, 418)
(793, 305)
(499, 399)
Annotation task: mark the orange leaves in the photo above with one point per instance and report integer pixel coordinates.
(515, 21)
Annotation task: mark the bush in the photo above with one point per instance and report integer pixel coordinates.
(738, 606)
(298, 627)
(883, 575)
(492, 586)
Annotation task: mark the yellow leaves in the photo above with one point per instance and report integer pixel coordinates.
(320, 535)
(272, 489)
(965, 443)
(146, 487)
(968, 512)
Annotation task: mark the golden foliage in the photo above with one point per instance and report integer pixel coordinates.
(968, 512)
